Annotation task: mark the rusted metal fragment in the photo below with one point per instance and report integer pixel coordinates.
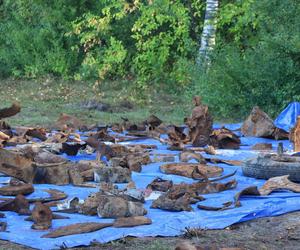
(41, 216)
(13, 190)
(196, 171)
(132, 221)
(177, 138)
(14, 109)
(279, 182)
(78, 228)
(200, 188)
(180, 196)
(75, 176)
(275, 183)
(58, 137)
(258, 124)
(228, 162)
(45, 157)
(225, 139)
(68, 122)
(87, 175)
(295, 135)
(54, 217)
(188, 155)
(72, 148)
(208, 150)
(34, 165)
(19, 205)
(101, 148)
(39, 133)
(112, 174)
(58, 175)
(262, 146)
(132, 161)
(252, 190)
(100, 136)
(86, 169)
(89, 207)
(135, 162)
(224, 206)
(114, 207)
(133, 194)
(16, 165)
(159, 184)
(199, 123)
(153, 122)
(166, 203)
(280, 134)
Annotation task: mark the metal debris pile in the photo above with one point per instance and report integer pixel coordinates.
(35, 155)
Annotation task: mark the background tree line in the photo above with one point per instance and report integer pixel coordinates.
(155, 44)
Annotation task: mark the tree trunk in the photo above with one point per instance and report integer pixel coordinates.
(208, 38)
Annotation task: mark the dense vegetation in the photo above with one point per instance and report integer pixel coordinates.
(154, 44)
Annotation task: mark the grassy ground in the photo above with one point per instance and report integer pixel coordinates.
(43, 100)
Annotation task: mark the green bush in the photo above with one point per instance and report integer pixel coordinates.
(32, 37)
(154, 43)
(265, 73)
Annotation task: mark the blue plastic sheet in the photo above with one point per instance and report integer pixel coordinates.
(288, 117)
(165, 223)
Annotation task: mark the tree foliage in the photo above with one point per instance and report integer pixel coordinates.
(150, 41)
(257, 60)
(154, 43)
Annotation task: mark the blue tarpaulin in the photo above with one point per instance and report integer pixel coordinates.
(288, 117)
(165, 223)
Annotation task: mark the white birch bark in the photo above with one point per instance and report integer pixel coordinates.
(208, 38)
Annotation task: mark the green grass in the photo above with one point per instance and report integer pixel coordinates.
(43, 100)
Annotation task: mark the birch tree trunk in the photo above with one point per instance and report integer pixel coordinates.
(208, 38)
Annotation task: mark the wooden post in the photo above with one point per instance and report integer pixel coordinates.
(295, 135)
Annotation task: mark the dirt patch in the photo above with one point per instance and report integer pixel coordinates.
(282, 232)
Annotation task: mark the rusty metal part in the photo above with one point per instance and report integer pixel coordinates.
(199, 123)
(78, 228)
(279, 182)
(14, 109)
(159, 184)
(13, 190)
(258, 124)
(192, 170)
(132, 221)
(19, 205)
(41, 216)
(188, 155)
(225, 139)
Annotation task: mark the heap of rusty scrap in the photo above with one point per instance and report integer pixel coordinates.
(36, 158)
(201, 132)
